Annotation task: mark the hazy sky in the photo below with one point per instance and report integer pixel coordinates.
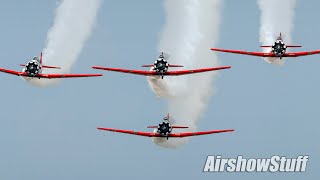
(51, 133)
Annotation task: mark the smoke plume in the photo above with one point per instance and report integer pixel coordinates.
(191, 29)
(73, 25)
(276, 16)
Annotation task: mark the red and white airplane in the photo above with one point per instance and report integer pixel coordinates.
(164, 130)
(160, 68)
(33, 69)
(278, 50)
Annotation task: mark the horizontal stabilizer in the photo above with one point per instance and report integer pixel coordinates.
(174, 65)
(152, 127)
(265, 46)
(288, 46)
(51, 67)
(293, 46)
(147, 65)
(178, 127)
(170, 65)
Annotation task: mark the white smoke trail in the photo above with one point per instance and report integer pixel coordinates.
(192, 28)
(276, 16)
(73, 25)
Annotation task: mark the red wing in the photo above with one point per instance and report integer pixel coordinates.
(178, 135)
(168, 73)
(48, 76)
(147, 134)
(297, 54)
(13, 72)
(138, 72)
(56, 76)
(260, 54)
(184, 72)
(187, 134)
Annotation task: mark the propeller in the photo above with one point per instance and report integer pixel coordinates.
(164, 128)
(32, 68)
(279, 48)
(161, 65)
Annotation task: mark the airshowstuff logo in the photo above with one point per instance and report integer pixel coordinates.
(240, 164)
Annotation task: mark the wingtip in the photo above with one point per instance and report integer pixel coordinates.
(225, 67)
(99, 67)
(93, 75)
(226, 130)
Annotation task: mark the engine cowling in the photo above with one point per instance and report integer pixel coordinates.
(32, 68)
(164, 128)
(161, 65)
(279, 48)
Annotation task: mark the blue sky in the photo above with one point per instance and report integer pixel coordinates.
(51, 133)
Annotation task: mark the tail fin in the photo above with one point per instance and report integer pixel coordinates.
(41, 58)
(49, 67)
(279, 37)
(164, 55)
